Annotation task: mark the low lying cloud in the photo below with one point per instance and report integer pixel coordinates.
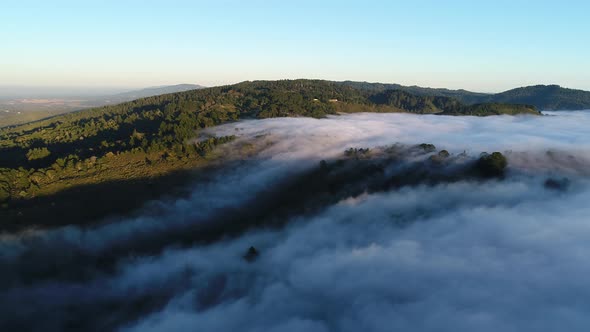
(506, 254)
(399, 260)
(307, 137)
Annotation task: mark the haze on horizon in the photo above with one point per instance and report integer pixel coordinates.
(487, 47)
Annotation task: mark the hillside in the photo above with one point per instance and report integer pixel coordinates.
(148, 138)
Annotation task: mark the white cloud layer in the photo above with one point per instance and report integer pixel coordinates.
(303, 137)
(423, 259)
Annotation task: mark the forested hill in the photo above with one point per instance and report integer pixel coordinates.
(464, 96)
(544, 97)
(164, 122)
(148, 138)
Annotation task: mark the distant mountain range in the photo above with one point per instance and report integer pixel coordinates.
(543, 97)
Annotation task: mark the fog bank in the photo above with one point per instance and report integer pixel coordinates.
(465, 254)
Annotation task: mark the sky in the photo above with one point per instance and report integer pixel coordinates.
(486, 46)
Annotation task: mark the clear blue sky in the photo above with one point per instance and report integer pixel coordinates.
(477, 45)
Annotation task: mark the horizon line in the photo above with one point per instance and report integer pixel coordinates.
(123, 88)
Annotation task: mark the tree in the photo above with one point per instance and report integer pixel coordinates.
(491, 165)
